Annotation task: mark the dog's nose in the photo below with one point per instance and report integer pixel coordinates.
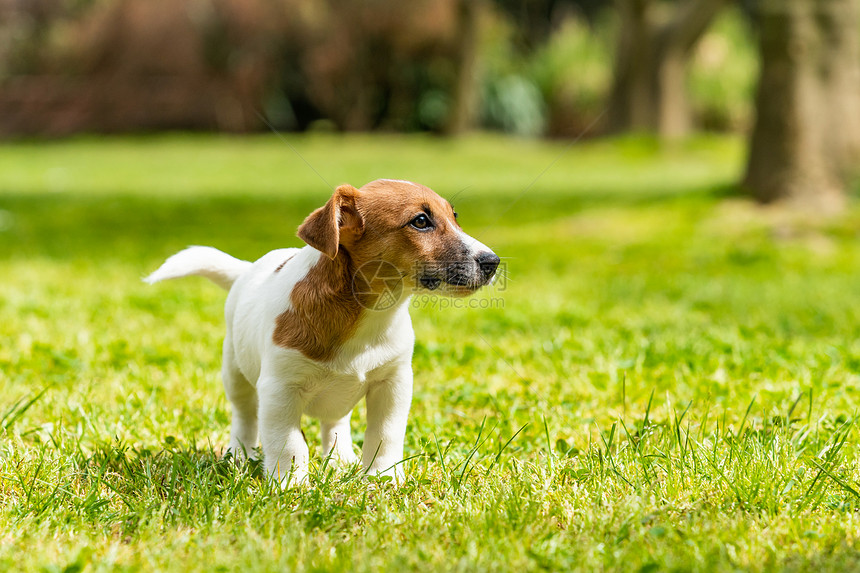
(488, 262)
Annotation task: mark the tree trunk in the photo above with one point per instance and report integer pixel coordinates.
(840, 75)
(673, 111)
(649, 91)
(630, 105)
(461, 116)
(806, 124)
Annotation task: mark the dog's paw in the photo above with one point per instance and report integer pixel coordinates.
(343, 457)
(288, 475)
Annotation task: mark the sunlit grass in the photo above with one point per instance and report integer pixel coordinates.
(669, 382)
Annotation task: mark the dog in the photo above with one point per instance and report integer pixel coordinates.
(312, 330)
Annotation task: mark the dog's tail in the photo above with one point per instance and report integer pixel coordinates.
(218, 267)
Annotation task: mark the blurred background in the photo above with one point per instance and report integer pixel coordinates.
(783, 73)
(654, 173)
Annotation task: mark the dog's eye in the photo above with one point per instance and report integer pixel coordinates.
(421, 222)
(456, 215)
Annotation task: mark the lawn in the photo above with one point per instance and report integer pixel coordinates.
(668, 379)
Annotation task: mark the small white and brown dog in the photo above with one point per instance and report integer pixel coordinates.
(313, 330)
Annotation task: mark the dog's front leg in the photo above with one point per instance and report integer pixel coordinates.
(284, 447)
(388, 402)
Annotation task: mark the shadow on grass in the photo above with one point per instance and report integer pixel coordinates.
(83, 227)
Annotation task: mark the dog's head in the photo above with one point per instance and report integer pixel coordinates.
(404, 225)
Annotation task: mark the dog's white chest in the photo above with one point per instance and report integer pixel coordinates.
(332, 396)
(332, 390)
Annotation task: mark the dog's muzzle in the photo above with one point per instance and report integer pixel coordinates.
(468, 275)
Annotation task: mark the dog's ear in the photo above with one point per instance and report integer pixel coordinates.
(337, 222)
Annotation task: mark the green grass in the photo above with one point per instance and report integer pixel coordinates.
(671, 383)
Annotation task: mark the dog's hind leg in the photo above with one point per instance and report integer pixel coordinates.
(337, 440)
(243, 398)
